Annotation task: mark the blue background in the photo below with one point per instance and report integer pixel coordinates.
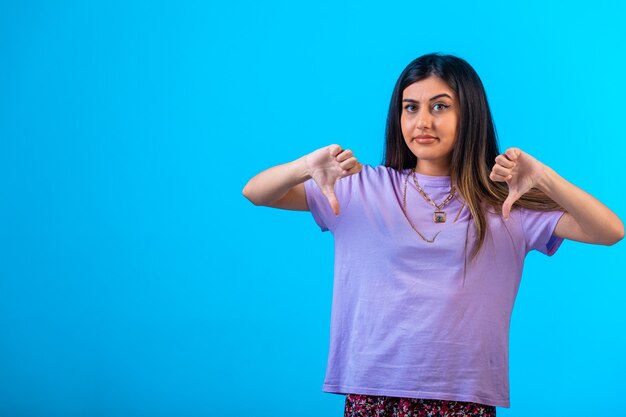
(136, 280)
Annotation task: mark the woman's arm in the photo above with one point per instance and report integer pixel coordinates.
(282, 186)
(586, 219)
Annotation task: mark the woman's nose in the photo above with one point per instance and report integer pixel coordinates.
(423, 120)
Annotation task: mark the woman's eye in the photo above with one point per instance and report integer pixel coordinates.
(410, 107)
(439, 106)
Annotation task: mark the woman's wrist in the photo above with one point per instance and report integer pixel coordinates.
(546, 179)
(303, 168)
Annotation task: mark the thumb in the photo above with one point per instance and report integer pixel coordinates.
(508, 204)
(329, 192)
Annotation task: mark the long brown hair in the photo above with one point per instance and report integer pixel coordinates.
(476, 145)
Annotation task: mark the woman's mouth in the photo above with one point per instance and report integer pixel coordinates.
(424, 139)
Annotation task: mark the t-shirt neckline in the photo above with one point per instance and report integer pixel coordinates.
(428, 179)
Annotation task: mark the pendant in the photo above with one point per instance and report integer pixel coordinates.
(440, 217)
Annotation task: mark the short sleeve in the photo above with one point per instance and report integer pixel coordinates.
(539, 230)
(320, 207)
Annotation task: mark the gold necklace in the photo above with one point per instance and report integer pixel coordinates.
(439, 216)
(406, 182)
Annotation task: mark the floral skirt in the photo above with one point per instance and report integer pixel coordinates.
(374, 406)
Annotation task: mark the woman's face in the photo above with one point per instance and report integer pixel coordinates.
(429, 122)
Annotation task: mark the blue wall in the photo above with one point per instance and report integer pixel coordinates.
(136, 280)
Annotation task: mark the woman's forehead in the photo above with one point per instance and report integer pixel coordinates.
(427, 88)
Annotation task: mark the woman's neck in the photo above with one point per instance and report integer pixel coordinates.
(433, 168)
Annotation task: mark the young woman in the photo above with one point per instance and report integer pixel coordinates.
(429, 247)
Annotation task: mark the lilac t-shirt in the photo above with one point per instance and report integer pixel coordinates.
(415, 319)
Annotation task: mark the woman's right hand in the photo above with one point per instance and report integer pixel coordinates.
(328, 164)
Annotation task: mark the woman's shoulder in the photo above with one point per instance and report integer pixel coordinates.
(379, 172)
(374, 178)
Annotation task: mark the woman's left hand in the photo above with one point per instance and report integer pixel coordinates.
(520, 171)
(585, 219)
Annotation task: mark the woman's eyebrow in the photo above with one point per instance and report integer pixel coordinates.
(410, 100)
(441, 95)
